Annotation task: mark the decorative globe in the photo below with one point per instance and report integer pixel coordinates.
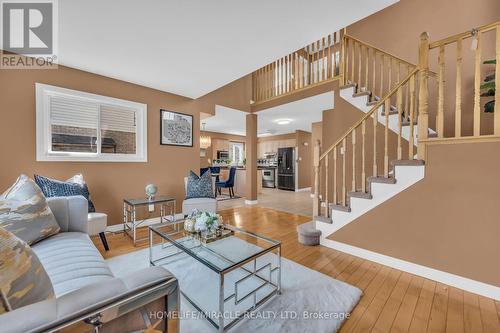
(151, 190)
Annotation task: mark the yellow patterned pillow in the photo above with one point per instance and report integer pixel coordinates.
(23, 279)
(25, 212)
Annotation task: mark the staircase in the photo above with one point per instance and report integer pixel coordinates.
(383, 153)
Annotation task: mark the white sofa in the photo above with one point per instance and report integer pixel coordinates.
(84, 287)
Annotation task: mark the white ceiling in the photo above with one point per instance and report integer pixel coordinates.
(302, 114)
(192, 47)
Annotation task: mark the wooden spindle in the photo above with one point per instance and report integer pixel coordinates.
(407, 96)
(327, 180)
(345, 59)
(335, 200)
(477, 86)
(423, 96)
(398, 74)
(324, 69)
(374, 69)
(412, 111)
(283, 73)
(458, 91)
(367, 60)
(317, 62)
(301, 72)
(389, 85)
(496, 119)
(382, 61)
(363, 157)
(344, 152)
(360, 53)
(387, 109)
(316, 164)
(440, 109)
(399, 107)
(353, 61)
(353, 160)
(375, 123)
(329, 58)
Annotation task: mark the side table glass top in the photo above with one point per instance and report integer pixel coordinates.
(146, 201)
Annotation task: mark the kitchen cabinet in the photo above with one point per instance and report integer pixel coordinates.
(271, 146)
(219, 144)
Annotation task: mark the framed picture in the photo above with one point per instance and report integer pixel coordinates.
(176, 128)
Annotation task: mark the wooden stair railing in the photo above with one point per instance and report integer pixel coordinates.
(457, 44)
(372, 68)
(349, 154)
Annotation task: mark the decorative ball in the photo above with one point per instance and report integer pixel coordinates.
(151, 190)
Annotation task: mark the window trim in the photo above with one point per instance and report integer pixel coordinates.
(43, 128)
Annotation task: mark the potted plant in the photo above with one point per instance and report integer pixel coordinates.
(489, 88)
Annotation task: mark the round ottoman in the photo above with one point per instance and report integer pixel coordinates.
(308, 234)
(97, 223)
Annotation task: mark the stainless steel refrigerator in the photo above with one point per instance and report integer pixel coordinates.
(286, 168)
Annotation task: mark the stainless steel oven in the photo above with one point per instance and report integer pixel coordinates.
(268, 178)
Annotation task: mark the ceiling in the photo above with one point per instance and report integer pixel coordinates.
(192, 47)
(301, 114)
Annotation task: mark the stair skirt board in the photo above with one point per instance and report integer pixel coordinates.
(406, 176)
(361, 102)
(473, 286)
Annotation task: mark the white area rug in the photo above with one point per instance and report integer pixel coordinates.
(310, 301)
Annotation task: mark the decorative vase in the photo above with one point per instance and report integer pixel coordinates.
(151, 190)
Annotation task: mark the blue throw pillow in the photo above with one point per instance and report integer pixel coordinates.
(55, 188)
(199, 187)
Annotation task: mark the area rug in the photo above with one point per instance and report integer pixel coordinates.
(310, 301)
(224, 197)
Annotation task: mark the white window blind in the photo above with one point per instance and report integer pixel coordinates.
(76, 126)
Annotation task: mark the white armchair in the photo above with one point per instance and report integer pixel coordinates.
(202, 204)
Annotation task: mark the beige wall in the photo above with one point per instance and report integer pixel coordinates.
(304, 158)
(447, 221)
(397, 28)
(109, 183)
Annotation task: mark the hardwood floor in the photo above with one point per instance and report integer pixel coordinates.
(392, 301)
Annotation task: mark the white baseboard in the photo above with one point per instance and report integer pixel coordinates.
(147, 222)
(251, 202)
(305, 189)
(467, 284)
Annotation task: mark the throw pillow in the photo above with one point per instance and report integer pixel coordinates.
(78, 179)
(56, 188)
(25, 212)
(199, 187)
(23, 280)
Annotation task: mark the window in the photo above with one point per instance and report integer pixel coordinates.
(236, 152)
(78, 126)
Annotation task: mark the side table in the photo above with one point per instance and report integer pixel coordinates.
(130, 222)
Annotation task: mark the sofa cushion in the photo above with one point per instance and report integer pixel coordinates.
(71, 261)
(201, 204)
(23, 279)
(25, 212)
(199, 187)
(56, 188)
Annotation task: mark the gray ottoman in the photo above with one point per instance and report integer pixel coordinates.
(308, 234)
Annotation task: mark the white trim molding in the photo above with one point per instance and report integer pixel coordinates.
(461, 282)
(88, 102)
(251, 202)
(304, 189)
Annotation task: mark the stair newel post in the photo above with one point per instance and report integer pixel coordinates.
(423, 93)
(316, 162)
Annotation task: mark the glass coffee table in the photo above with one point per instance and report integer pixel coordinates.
(224, 280)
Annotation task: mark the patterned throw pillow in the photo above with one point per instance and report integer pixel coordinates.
(56, 188)
(199, 187)
(25, 212)
(23, 280)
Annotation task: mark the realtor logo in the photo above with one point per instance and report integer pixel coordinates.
(29, 33)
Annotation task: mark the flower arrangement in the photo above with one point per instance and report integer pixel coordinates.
(202, 222)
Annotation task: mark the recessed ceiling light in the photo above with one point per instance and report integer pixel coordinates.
(283, 121)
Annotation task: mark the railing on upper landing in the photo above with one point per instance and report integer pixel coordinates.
(314, 64)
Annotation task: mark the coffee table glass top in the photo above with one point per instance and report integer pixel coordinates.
(216, 255)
